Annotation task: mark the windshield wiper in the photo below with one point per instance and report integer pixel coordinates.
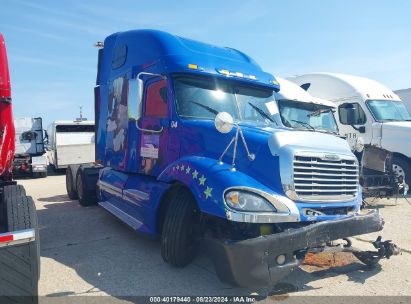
(214, 111)
(306, 124)
(262, 113)
(319, 112)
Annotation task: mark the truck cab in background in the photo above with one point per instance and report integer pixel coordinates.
(300, 110)
(190, 147)
(30, 155)
(368, 113)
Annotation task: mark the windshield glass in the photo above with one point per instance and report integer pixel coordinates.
(204, 98)
(389, 110)
(297, 114)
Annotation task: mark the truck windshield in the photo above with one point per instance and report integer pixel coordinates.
(204, 98)
(297, 114)
(389, 110)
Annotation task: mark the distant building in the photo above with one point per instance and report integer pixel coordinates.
(405, 95)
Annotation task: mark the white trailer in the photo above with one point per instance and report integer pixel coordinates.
(368, 113)
(70, 143)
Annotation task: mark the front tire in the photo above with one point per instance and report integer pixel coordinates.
(180, 232)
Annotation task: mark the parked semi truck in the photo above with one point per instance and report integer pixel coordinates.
(30, 155)
(405, 95)
(19, 243)
(188, 148)
(300, 110)
(70, 142)
(368, 112)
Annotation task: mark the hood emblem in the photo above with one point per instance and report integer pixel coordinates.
(331, 157)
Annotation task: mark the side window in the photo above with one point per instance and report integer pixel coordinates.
(360, 117)
(119, 56)
(156, 99)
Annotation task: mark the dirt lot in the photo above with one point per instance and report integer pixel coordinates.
(87, 251)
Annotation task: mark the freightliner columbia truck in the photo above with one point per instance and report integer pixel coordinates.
(19, 243)
(188, 148)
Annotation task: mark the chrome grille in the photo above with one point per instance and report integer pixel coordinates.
(321, 179)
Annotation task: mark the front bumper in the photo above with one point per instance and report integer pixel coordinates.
(252, 262)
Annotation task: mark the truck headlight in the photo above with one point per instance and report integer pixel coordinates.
(248, 201)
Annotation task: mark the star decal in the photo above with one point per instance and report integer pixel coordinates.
(207, 192)
(182, 167)
(195, 174)
(188, 169)
(178, 167)
(202, 180)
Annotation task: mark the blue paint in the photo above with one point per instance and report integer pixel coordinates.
(133, 183)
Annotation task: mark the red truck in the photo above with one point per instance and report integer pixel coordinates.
(19, 242)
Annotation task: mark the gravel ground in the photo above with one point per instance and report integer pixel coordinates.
(87, 251)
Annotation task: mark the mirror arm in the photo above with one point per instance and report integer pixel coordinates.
(359, 129)
(151, 74)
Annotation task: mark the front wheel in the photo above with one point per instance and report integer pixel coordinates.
(402, 168)
(180, 233)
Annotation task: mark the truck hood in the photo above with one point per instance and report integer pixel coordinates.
(307, 141)
(268, 144)
(396, 137)
(397, 126)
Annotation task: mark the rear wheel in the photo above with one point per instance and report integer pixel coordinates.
(14, 191)
(20, 264)
(86, 197)
(70, 184)
(181, 230)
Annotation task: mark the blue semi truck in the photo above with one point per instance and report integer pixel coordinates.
(190, 147)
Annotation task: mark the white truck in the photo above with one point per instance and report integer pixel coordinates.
(298, 109)
(368, 113)
(70, 142)
(29, 157)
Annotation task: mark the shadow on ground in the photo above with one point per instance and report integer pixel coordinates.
(108, 255)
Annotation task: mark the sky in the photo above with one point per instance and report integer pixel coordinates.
(53, 62)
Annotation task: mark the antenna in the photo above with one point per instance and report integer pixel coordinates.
(81, 115)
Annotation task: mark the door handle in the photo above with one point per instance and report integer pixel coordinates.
(148, 130)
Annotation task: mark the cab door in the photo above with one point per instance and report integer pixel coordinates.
(361, 127)
(154, 127)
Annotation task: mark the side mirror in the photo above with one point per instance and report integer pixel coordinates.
(45, 137)
(224, 122)
(135, 97)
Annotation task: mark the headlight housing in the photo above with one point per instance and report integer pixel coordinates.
(248, 201)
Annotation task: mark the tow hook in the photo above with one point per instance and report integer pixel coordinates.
(385, 249)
